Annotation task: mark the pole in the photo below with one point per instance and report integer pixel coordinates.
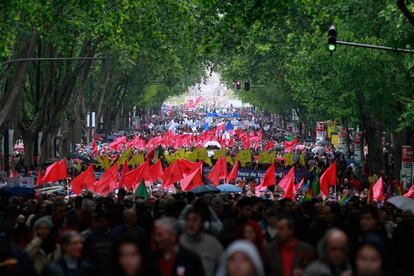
(6, 151)
(90, 110)
(51, 58)
(378, 47)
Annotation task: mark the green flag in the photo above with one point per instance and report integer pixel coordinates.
(315, 185)
(308, 196)
(141, 191)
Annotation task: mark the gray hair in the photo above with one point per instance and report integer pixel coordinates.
(128, 211)
(322, 247)
(67, 237)
(168, 222)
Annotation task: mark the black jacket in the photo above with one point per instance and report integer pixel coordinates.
(60, 268)
(186, 259)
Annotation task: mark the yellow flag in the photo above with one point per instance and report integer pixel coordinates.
(178, 155)
(190, 156)
(288, 158)
(219, 153)
(98, 159)
(207, 160)
(124, 156)
(201, 155)
(136, 160)
(244, 157)
(78, 166)
(302, 159)
(230, 160)
(106, 163)
(267, 157)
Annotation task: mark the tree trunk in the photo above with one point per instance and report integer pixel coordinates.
(15, 83)
(373, 136)
(28, 142)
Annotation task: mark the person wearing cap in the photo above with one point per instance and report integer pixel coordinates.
(43, 249)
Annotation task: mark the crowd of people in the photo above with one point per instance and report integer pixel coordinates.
(241, 234)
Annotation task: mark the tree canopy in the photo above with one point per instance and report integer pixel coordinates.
(157, 48)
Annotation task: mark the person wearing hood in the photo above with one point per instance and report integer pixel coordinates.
(241, 259)
(333, 251)
(43, 249)
(204, 245)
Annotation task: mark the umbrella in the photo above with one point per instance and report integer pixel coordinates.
(403, 203)
(17, 191)
(229, 188)
(212, 144)
(204, 189)
(79, 156)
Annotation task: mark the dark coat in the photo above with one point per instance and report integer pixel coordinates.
(187, 259)
(304, 254)
(16, 262)
(60, 268)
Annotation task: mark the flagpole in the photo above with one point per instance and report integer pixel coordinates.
(336, 183)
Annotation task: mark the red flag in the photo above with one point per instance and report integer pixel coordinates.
(287, 183)
(55, 172)
(221, 127)
(269, 145)
(13, 173)
(269, 177)
(39, 180)
(135, 176)
(327, 179)
(155, 171)
(378, 190)
(241, 135)
(192, 180)
(233, 173)
(198, 100)
(299, 185)
(258, 138)
(94, 148)
(85, 180)
(219, 171)
(188, 167)
(289, 146)
(410, 193)
(171, 175)
(125, 170)
(108, 181)
(150, 154)
(246, 143)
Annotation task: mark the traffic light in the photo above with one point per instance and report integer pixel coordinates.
(332, 39)
(247, 85)
(238, 84)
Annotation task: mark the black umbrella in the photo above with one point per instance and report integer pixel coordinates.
(79, 156)
(17, 191)
(204, 189)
